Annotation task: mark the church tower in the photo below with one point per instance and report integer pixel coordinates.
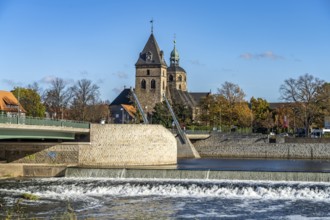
(151, 75)
(177, 77)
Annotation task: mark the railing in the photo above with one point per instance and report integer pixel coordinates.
(144, 116)
(43, 122)
(174, 131)
(176, 123)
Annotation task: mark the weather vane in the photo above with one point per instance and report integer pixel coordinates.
(152, 25)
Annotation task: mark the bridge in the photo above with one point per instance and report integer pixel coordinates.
(41, 128)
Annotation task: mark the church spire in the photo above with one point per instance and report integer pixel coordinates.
(152, 25)
(174, 55)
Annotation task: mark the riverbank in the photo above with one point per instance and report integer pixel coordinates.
(231, 145)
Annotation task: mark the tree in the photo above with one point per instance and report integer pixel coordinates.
(30, 100)
(324, 96)
(84, 93)
(97, 112)
(57, 97)
(183, 114)
(304, 93)
(207, 110)
(161, 115)
(262, 115)
(233, 103)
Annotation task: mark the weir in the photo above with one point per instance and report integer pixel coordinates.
(128, 173)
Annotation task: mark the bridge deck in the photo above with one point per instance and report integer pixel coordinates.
(40, 128)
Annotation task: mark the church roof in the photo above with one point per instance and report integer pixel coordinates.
(174, 68)
(275, 105)
(197, 96)
(122, 98)
(151, 54)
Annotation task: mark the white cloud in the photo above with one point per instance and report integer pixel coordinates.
(50, 78)
(247, 56)
(47, 79)
(265, 55)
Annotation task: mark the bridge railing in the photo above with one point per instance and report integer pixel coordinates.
(174, 131)
(26, 120)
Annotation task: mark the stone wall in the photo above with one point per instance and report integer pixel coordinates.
(111, 145)
(128, 145)
(48, 153)
(257, 146)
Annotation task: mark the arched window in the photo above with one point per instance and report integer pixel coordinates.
(143, 84)
(180, 78)
(180, 87)
(171, 78)
(153, 84)
(148, 72)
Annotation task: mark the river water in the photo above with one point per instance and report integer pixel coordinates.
(104, 198)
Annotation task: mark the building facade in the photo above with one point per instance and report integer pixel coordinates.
(154, 78)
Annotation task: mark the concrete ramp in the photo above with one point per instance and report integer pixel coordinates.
(186, 149)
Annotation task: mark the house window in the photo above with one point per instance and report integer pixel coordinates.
(171, 78)
(143, 84)
(148, 72)
(153, 84)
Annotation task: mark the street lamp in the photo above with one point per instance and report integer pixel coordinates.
(122, 115)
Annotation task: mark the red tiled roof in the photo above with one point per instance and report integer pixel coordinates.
(8, 99)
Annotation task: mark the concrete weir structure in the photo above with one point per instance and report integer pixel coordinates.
(196, 174)
(110, 145)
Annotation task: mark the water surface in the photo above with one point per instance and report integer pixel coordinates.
(127, 198)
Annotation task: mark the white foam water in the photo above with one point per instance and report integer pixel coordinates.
(171, 198)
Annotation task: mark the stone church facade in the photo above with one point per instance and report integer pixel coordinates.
(154, 78)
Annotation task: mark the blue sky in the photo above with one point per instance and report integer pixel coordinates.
(256, 44)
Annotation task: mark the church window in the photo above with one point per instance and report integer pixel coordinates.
(180, 87)
(171, 78)
(148, 72)
(180, 78)
(153, 84)
(143, 84)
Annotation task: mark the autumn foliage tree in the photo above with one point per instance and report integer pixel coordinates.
(30, 100)
(227, 108)
(262, 116)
